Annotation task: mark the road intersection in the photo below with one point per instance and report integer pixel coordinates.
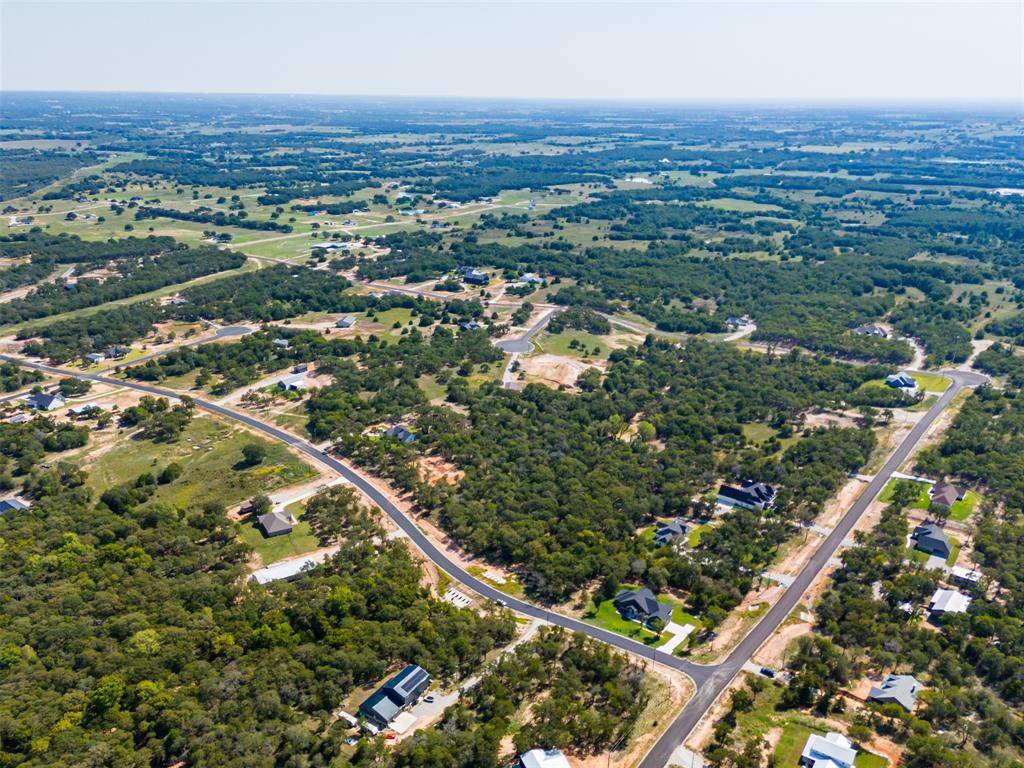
(710, 680)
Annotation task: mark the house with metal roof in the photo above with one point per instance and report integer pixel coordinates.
(948, 601)
(833, 750)
(931, 539)
(897, 689)
(294, 383)
(965, 575)
(642, 605)
(282, 343)
(397, 694)
(347, 321)
(543, 758)
(12, 504)
(751, 495)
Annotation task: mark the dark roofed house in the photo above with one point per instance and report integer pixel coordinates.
(930, 538)
(667, 533)
(47, 402)
(400, 433)
(116, 351)
(275, 524)
(751, 495)
(945, 496)
(902, 381)
(870, 329)
(470, 325)
(395, 695)
(897, 689)
(642, 605)
(473, 276)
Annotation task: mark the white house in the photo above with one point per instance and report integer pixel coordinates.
(833, 750)
(948, 601)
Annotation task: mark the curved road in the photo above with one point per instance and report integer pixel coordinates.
(710, 680)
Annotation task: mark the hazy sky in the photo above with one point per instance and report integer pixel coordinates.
(813, 51)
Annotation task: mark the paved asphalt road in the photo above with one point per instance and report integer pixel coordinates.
(723, 673)
(710, 680)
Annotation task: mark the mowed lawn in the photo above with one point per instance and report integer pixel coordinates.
(210, 455)
(794, 737)
(960, 510)
(298, 541)
(607, 616)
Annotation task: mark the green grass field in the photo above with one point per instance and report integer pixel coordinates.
(210, 454)
(961, 510)
(558, 344)
(299, 541)
(791, 744)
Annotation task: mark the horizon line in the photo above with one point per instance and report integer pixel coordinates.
(1015, 104)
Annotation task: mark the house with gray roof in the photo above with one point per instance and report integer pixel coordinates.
(642, 605)
(400, 433)
(870, 329)
(668, 533)
(931, 539)
(275, 523)
(347, 321)
(897, 689)
(397, 694)
(44, 401)
(945, 495)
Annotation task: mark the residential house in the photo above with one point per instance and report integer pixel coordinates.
(12, 504)
(83, 409)
(945, 495)
(668, 533)
(275, 523)
(282, 343)
(948, 601)
(531, 278)
(752, 495)
(833, 750)
(897, 689)
(471, 325)
(642, 605)
(870, 329)
(294, 383)
(95, 357)
(346, 322)
(397, 694)
(902, 381)
(301, 368)
(543, 758)
(473, 276)
(400, 433)
(43, 401)
(116, 351)
(930, 538)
